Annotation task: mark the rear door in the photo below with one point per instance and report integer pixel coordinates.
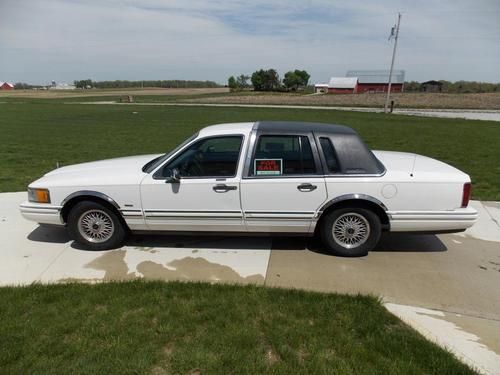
(282, 186)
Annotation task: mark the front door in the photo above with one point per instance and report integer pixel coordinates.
(206, 197)
(283, 186)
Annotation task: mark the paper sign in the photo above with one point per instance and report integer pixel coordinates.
(268, 167)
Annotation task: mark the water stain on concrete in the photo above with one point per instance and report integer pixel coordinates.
(113, 264)
(151, 250)
(189, 269)
(196, 269)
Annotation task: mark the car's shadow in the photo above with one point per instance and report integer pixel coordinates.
(393, 242)
(389, 242)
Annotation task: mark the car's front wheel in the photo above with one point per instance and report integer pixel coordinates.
(95, 226)
(351, 232)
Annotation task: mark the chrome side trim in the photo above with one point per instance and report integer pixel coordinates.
(280, 212)
(433, 215)
(194, 211)
(279, 215)
(165, 217)
(132, 213)
(176, 214)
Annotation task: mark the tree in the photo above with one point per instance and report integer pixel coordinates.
(231, 82)
(83, 84)
(257, 80)
(304, 77)
(291, 80)
(238, 83)
(272, 80)
(242, 81)
(265, 80)
(295, 79)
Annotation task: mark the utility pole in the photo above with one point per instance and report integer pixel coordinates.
(394, 34)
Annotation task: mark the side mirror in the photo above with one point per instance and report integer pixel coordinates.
(175, 176)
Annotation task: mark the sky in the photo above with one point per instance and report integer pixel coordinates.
(66, 40)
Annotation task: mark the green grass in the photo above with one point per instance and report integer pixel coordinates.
(36, 134)
(160, 328)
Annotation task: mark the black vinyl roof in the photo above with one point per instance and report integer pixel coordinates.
(298, 126)
(353, 155)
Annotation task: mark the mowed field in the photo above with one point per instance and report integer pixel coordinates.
(37, 134)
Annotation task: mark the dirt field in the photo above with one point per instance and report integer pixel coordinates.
(54, 94)
(405, 100)
(485, 101)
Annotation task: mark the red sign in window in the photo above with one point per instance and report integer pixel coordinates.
(268, 167)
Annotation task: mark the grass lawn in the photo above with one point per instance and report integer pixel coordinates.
(160, 328)
(37, 133)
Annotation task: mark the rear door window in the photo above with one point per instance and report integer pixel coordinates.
(277, 155)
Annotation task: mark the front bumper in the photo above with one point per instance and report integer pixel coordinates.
(41, 213)
(433, 221)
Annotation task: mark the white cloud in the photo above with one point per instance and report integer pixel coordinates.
(192, 39)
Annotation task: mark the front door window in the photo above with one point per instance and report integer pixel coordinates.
(210, 157)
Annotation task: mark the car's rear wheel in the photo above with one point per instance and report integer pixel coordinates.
(95, 226)
(350, 232)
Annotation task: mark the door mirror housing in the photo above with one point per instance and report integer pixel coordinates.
(175, 176)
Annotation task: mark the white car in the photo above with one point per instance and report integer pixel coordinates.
(264, 177)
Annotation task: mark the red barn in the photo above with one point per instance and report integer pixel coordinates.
(6, 86)
(378, 80)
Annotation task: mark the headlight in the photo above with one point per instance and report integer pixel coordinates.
(38, 195)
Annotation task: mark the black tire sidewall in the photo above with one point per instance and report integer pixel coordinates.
(116, 239)
(362, 250)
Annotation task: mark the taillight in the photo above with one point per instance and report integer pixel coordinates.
(466, 194)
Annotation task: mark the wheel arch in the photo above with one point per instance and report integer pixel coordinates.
(93, 196)
(359, 201)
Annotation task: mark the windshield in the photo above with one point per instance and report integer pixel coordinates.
(152, 164)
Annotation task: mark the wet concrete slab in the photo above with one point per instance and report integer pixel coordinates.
(205, 259)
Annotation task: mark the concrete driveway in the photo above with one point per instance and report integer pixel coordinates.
(446, 286)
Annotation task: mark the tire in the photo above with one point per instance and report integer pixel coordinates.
(95, 226)
(357, 231)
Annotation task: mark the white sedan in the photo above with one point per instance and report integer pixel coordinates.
(263, 177)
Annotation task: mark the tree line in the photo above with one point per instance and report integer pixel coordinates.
(175, 83)
(123, 84)
(269, 80)
(458, 87)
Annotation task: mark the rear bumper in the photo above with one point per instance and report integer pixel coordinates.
(41, 213)
(432, 221)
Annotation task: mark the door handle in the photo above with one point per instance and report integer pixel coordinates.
(222, 188)
(307, 187)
